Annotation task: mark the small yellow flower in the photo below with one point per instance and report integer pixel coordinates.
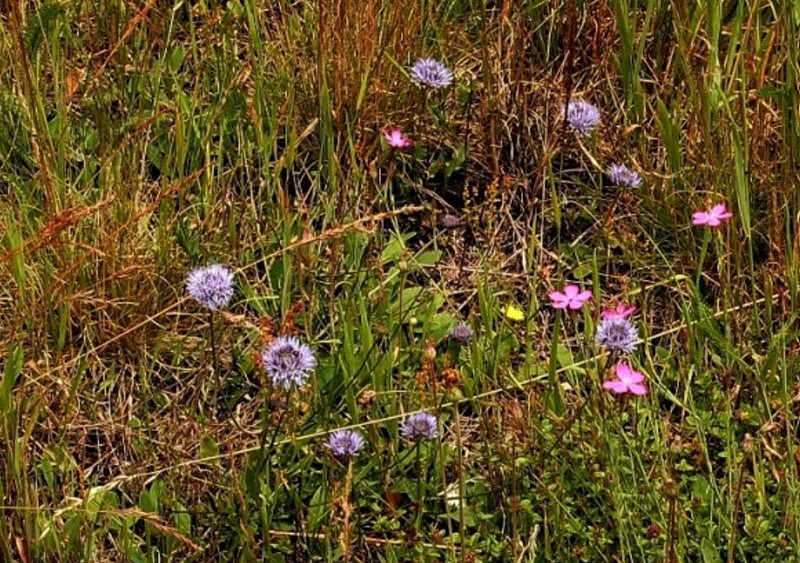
(513, 313)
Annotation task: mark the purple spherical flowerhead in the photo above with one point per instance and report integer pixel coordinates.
(462, 333)
(623, 176)
(288, 362)
(617, 334)
(345, 443)
(212, 286)
(451, 221)
(582, 116)
(432, 73)
(419, 426)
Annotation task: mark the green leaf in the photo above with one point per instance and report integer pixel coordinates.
(183, 520)
(710, 553)
(208, 448)
(149, 500)
(395, 248)
(176, 59)
(428, 258)
(134, 555)
(95, 502)
(440, 325)
(411, 299)
(567, 360)
(456, 162)
(252, 475)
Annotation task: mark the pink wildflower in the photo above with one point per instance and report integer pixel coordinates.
(621, 311)
(396, 139)
(713, 217)
(628, 381)
(572, 297)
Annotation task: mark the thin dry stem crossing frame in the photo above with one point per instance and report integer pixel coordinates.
(150, 475)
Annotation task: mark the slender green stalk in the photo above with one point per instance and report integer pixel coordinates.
(419, 501)
(702, 258)
(215, 358)
(556, 400)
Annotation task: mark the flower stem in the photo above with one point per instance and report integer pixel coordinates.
(419, 501)
(556, 401)
(703, 251)
(263, 439)
(345, 538)
(215, 356)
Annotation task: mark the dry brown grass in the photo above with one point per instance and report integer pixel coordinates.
(109, 383)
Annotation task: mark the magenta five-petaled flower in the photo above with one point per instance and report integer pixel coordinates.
(628, 381)
(713, 217)
(396, 139)
(572, 297)
(621, 311)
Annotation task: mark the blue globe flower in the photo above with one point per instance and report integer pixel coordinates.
(288, 362)
(212, 286)
(345, 443)
(617, 334)
(623, 176)
(582, 116)
(419, 426)
(430, 72)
